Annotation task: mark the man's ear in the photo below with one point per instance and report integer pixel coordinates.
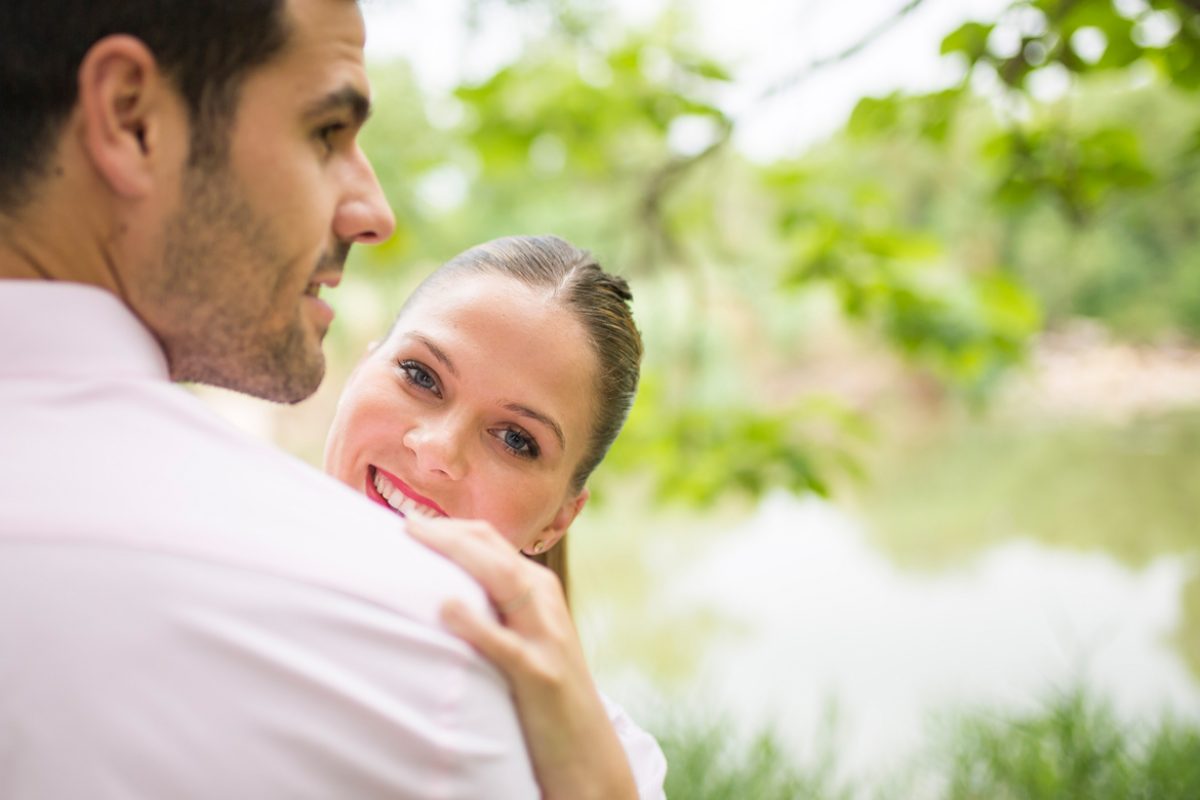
(124, 100)
(561, 523)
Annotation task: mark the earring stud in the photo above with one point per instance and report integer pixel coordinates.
(538, 547)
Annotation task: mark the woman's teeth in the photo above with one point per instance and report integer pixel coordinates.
(401, 502)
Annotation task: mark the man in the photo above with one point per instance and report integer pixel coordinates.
(185, 612)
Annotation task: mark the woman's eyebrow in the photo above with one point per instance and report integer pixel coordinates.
(516, 408)
(526, 411)
(438, 352)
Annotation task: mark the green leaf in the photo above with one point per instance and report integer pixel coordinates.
(969, 39)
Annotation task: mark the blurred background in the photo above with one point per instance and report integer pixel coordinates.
(909, 504)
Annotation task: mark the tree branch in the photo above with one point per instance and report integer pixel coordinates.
(658, 186)
(798, 77)
(661, 181)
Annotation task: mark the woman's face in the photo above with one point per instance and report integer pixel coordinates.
(478, 406)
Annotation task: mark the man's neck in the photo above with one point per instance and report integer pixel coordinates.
(29, 252)
(17, 263)
(20, 256)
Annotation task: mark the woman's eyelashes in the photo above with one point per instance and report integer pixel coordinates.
(518, 442)
(514, 440)
(417, 375)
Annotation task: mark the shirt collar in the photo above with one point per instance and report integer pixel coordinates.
(60, 328)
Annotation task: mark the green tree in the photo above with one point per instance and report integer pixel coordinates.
(938, 224)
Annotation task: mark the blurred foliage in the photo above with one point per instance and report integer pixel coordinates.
(700, 454)
(1085, 37)
(1075, 747)
(1113, 149)
(1074, 485)
(856, 236)
(707, 763)
(949, 226)
(1072, 747)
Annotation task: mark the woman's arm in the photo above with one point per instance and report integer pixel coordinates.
(575, 749)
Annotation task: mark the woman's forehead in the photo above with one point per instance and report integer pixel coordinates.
(512, 341)
(498, 303)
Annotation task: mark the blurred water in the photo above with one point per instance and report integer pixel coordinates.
(827, 625)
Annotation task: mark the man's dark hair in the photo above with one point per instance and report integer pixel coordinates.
(205, 46)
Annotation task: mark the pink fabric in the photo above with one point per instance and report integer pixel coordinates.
(646, 757)
(186, 612)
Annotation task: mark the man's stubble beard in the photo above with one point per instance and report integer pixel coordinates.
(224, 276)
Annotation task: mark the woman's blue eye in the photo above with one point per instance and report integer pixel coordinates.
(418, 376)
(519, 443)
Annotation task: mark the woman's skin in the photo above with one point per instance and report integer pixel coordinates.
(470, 418)
(477, 406)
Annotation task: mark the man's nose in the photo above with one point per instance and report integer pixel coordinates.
(363, 214)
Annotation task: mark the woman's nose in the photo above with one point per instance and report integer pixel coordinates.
(438, 447)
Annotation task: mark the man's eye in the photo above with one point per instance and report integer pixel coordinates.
(328, 133)
(418, 376)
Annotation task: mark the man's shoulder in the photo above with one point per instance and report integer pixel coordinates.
(276, 515)
(300, 525)
(149, 468)
(305, 526)
(278, 636)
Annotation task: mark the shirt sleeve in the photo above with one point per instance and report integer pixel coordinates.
(646, 758)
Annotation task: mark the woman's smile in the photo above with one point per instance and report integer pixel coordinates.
(388, 490)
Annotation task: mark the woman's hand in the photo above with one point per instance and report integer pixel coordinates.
(575, 751)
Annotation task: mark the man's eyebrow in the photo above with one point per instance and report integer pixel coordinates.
(438, 352)
(346, 97)
(526, 411)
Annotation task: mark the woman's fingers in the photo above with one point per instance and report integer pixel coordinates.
(473, 545)
(487, 556)
(498, 644)
(571, 741)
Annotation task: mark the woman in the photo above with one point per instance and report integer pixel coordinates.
(501, 385)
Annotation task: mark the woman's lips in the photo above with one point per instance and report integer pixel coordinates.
(386, 489)
(373, 493)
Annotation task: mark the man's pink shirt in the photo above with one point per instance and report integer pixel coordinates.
(186, 612)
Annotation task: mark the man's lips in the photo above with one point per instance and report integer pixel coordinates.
(409, 501)
(319, 307)
(330, 279)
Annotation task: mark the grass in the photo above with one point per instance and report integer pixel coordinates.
(1072, 748)
(705, 762)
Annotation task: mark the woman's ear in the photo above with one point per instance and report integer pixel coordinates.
(549, 536)
(125, 102)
